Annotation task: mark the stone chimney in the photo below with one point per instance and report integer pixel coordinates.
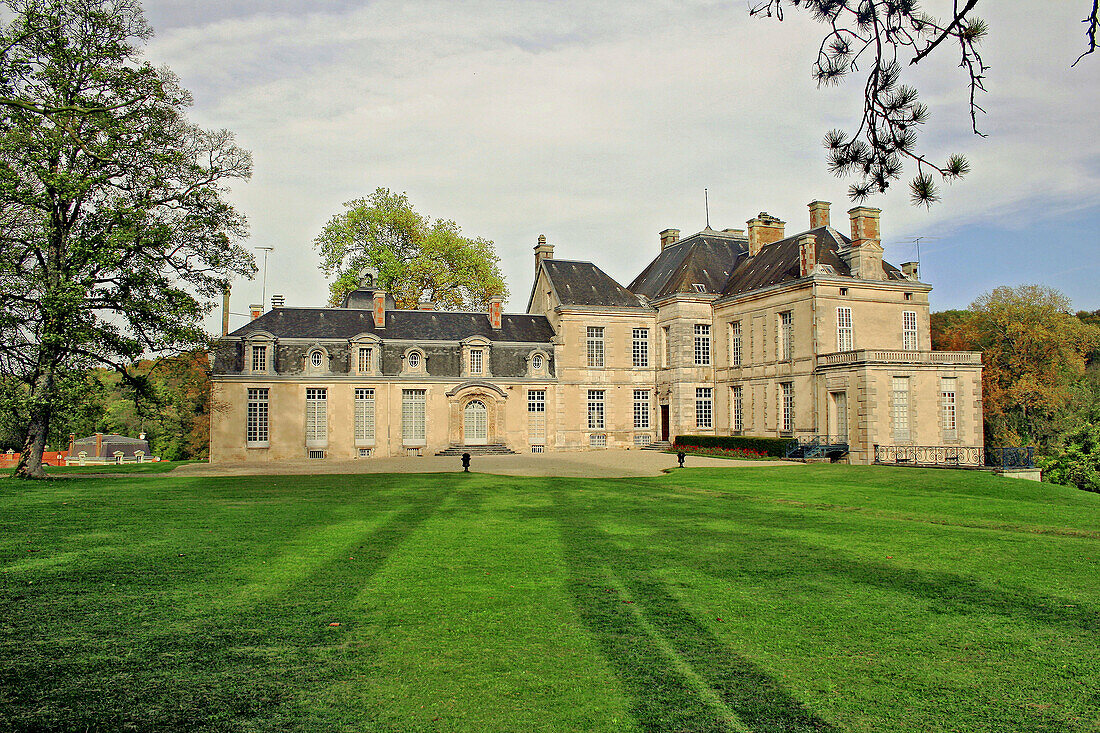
(669, 237)
(764, 229)
(425, 305)
(543, 251)
(807, 255)
(819, 214)
(734, 232)
(256, 310)
(379, 308)
(225, 311)
(911, 270)
(496, 311)
(277, 301)
(864, 254)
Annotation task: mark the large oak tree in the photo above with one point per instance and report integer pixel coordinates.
(114, 233)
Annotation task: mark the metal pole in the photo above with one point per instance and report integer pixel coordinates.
(263, 290)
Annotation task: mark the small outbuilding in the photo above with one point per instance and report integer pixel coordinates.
(109, 448)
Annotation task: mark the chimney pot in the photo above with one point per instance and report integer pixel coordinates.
(819, 214)
(669, 237)
(543, 251)
(256, 310)
(496, 307)
(764, 229)
(379, 308)
(426, 305)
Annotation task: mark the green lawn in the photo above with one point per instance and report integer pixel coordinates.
(769, 598)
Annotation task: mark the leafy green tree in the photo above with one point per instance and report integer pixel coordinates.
(416, 258)
(114, 235)
(880, 38)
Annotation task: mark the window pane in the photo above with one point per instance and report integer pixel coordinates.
(704, 408)
(364, 414)
(640, 349)
(595, 409)
(641, 408)
(316, 416)
(256, 428)
(702, 344)
(595, 346)
(412, 415)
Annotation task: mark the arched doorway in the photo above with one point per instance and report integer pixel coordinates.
(475, 423)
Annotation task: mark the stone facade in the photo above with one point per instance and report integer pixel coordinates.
(723, 333)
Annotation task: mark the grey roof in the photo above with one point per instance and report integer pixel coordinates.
(706, 258)
(111, 444)
(346, 323)
(582, 283)
(779, 262)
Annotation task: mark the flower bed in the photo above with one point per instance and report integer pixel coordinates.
(713, 452)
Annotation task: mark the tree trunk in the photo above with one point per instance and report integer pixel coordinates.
(38, 427)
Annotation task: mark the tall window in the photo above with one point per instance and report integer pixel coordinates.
(536, 415)
(595, 346)
(256, 423)
(786, 336)
(595, 409)
(640, 348)
(316, 416)
(641, 409)
(667, 350)
(259, 358)
(702, 344)
(704, 407)
(412, 415)
(948, 387)
(786, 407)
(909, 330)
(737, 407)
(735, 343)
(366, 359)
(476, 356)
(843, 329)
(364, 415)
(900, 407)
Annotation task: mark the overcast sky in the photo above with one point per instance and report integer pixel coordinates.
(600, 123)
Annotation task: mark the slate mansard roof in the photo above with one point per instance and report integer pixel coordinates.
(779, 262)
(706, 258)
(347, 323)
(584, 284)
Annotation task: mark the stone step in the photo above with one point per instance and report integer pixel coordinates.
(477, 450)
(658, 445)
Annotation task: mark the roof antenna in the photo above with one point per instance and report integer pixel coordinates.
(706, 205)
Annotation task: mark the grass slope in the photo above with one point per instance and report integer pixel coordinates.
(816, 598)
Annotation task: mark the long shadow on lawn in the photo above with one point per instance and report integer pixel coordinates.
(229, 674)
(636, 630)
(946, 592)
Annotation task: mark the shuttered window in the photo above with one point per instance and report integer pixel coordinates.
(316, 417)
(412, 416)
(364, 415)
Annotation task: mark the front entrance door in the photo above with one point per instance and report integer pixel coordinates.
(838, 425)
(664, 422)
(475, 423)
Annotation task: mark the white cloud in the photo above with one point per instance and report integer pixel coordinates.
(597, 123)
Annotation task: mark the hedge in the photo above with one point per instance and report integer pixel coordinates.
(776, 447)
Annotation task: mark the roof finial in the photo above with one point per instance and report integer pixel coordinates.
(706, 205)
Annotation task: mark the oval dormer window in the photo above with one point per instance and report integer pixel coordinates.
(536, 361)
(315, 359)
(414, 360)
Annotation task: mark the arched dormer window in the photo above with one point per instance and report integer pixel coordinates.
(413, 361)
(538, 363)
(259, 353)
(317, 360)
(366, 355)
(475, 357)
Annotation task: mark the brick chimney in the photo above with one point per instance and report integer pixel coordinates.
(379, 308)
(911, 270)
(819, 214)
(764, 229)
(543, 251)
(807, 255)
(669, 237)
(425, 305)
(98, 445)
(864, 254)
(256, 310)
(496, 308)
(225, 311)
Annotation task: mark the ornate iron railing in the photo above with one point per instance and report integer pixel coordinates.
(817, 446)
(955, 456)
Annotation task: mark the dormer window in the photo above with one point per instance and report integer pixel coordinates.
(316, 359)
(414, 360)
(536, 362)
(259, 354)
